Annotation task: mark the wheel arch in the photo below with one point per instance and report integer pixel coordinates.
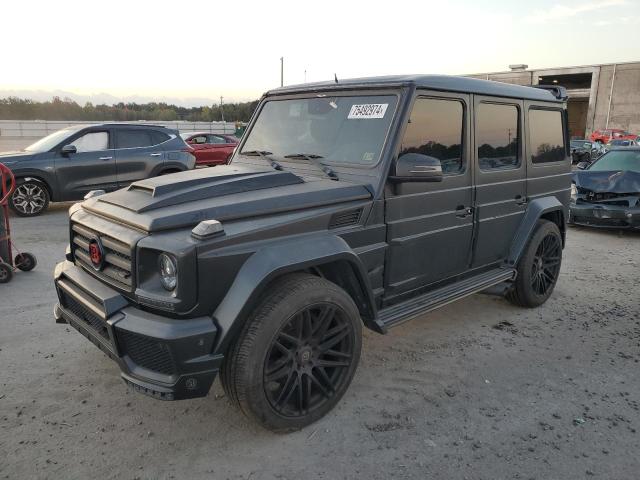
(329, 257)
(547, 208)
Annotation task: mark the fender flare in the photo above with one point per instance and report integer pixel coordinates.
(535, 210)
(273, 261)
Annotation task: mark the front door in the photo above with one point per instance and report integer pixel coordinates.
(430, 225)
(500, 177)
(92, 167)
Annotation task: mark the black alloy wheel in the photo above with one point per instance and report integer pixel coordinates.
(546, 264)
(309, 360)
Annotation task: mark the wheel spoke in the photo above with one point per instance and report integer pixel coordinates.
(326, 393)
(332, 363)
(336, 353)
(289, 338)
(324, 319)
(326, 345)
(278, 371)
(287, 389)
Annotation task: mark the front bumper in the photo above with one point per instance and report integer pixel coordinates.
(165, 358)
(604, 216)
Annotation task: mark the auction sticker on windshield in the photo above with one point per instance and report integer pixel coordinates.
(368, 110)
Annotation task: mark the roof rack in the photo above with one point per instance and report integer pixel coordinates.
(556, 90)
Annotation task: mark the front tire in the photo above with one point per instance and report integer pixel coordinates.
(30, 198)
(25, 261)
(539, 267)
(6, 272)
(296, 355)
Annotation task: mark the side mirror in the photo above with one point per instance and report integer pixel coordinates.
(582, 165)
(68, 150)
(416, 167)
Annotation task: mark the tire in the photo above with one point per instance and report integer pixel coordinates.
(296, 355)
(6, 272)
(30, 198)
(539, 267)
(25, 261)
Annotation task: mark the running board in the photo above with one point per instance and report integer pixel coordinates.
(401, 312)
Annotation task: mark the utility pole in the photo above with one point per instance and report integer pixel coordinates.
(221, 108)
(282, 71)
(305, 75)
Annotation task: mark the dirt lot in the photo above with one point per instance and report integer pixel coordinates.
(477, 390)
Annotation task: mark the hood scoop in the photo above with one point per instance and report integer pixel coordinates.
(196, 185)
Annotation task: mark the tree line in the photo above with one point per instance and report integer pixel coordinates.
(57, 108)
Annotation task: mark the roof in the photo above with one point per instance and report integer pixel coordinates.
(433, 82)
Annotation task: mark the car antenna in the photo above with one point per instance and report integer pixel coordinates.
(335, 77)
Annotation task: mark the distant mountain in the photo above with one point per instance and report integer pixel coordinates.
(108, 99)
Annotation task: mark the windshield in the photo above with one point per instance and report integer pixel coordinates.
(339, 129)
(47, 143)
(580, 144)
(618, 160)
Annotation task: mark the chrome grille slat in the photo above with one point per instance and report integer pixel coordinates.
(117, 268)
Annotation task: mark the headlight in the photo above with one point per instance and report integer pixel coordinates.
(574, 191)
(168, 271)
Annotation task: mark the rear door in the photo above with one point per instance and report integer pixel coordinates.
(500, 177)
(137, 153)
(92, 167)
(221, 148)
(430, 224)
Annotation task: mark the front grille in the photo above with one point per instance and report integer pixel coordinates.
(118, 266)
(603, 222)
(86, 315)
(147, 352)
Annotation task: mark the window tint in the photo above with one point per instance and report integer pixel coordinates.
(497, 136)
(92, 142)
(435, 129)
(159, 137)
(134, 138)
(546, 136)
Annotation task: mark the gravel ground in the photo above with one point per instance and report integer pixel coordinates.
(479, 389)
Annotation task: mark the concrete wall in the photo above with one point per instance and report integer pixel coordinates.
(623, 111)
(41, 128)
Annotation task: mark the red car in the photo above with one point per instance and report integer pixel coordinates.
(210, 148)
(608, 134)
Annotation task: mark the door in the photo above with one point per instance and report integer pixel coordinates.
(430, 224)
(201, 148)
(92, 167)
(137, 156)
(220, 147)
(500, 177)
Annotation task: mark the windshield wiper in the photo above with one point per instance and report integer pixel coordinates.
(315, 159)
(263, 154)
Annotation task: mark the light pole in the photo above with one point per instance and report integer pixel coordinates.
(281, 71)
(221, 108)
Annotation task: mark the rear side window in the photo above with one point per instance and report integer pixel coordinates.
(159, 137)
(133, 139)
(217, 139)
(435, 129)
(546, 136)
(497, 136)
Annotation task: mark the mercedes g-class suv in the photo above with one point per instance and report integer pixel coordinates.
(364, 202)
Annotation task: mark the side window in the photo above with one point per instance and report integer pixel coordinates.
(546, 136)
(199, 140)
(92, 142)
(133, 139)
(216, 139)
(497, 136)
(159, 137)
(435, 129)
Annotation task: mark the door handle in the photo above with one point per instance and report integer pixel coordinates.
(462, 211)
(106, 158)
(155, 154)
(520, 200)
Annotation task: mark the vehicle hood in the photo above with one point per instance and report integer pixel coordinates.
(608, 182)
(9, 158)
(226, 192)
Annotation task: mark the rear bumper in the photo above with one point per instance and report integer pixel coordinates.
(604, 216)
(165, 358)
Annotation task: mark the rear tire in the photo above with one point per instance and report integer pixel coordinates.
(6, 272)
(539, 267)
(296, 355)
(30, 198)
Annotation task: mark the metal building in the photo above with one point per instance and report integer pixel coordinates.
(600, 96)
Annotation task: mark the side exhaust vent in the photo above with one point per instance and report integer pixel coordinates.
(344, 219)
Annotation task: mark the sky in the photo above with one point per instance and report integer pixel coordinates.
(196, 50)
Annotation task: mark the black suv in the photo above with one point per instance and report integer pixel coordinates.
(73, 161)
(360, 203)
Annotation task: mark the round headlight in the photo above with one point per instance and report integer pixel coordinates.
(168, 271)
